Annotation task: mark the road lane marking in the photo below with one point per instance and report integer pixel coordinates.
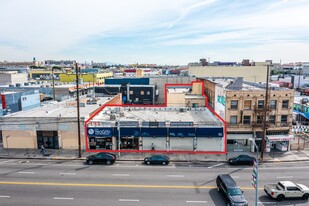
(128, 200)
(68, 173)
(26, 172)
(121, 175)
(63, 198)
(118, 185)
(268, 203)
(4, 196)
(285, 177)
(235, 177)
(6, 161)
(215, 165)
(175, 175)
(192, 201)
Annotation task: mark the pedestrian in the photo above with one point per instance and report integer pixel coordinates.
(152, 147)
(42, 150)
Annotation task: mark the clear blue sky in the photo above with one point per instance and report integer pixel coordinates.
(154, 31)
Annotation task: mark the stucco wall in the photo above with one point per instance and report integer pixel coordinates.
(176, 99)
(20, 139)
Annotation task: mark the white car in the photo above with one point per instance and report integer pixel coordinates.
(286, 189)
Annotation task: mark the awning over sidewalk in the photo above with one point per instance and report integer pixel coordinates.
(301, 113)
(239, 136)
(275, 138)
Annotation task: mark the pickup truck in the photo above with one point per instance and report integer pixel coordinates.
(286, 189)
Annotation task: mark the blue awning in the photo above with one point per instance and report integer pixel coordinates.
(301, 113)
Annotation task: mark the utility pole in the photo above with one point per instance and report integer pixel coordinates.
(78, 113)
(265, 115)
(255, 174)
(54, 98)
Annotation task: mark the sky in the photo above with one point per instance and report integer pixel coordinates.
(172, 32)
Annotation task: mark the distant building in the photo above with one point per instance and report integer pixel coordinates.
(12, 77)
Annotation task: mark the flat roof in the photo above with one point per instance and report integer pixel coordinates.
(200, 115)
(61, 109)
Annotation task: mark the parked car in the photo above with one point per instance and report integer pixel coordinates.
(230, 191)
(157, 159)
(286, 189)
(241, 160)
(101, 158)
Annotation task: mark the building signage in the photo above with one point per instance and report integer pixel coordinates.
(127, 131)
(128, 124)
(181, 132)
(209, 132)
(100, 132)
(181, 124)
(99, 124)
(154, 132)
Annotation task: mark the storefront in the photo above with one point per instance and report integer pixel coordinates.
(129, 137)
(100, 138)
(278, 142)
(154, 138)
(182, 138)
(49, 139)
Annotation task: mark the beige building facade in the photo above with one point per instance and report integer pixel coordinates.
(242, 103)
(250, 73)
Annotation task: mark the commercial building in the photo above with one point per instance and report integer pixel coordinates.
(12, 77)
(249, 73)
(188, 128)
(53, 125)
(242, 105)
(90, 78)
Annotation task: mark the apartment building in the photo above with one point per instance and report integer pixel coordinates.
(242, 105)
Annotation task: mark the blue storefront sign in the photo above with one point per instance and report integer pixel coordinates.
(181, 132)
(209, 132)
(154, 132)
(128, 132)
(100, 132)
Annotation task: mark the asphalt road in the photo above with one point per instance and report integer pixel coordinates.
(43, 182)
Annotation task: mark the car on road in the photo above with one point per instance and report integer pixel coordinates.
(101, 158)
(286, 189)
(230, 191)
(241, 160)
(157, 159)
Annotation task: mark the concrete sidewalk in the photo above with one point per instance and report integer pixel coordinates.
(301, 155)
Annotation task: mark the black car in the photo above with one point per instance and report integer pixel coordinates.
(241, 160)
(101, 158)
(157, 159)
(230, 191)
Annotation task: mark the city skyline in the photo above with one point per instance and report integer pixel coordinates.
(160, 32)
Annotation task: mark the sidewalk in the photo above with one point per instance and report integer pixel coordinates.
(301, 155)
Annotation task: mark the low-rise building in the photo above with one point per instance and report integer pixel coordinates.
(242, 105)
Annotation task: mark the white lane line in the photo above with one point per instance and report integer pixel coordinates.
(192, 201)
(285, 177)
(6, 161)
(128, 200)
(216, 165)
(26, 172)
(4, 196)
(175, 175)
(63, 198)
(121, 175)
(235, 177)
(67, 173)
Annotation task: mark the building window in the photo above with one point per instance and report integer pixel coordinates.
(234, 104)
(285, 104)
(131, 92)
(272, 119)
(273, 104)
(247, 119)
(247, 105)
(284, 118)
(148, 92)
(259, 120)
(261, 104)
(142, 92)
(233, 120)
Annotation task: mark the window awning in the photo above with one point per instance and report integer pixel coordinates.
(301, 113)
(239, 136)
(284, 137)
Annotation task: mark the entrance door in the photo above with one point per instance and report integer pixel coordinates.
(49, 139)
